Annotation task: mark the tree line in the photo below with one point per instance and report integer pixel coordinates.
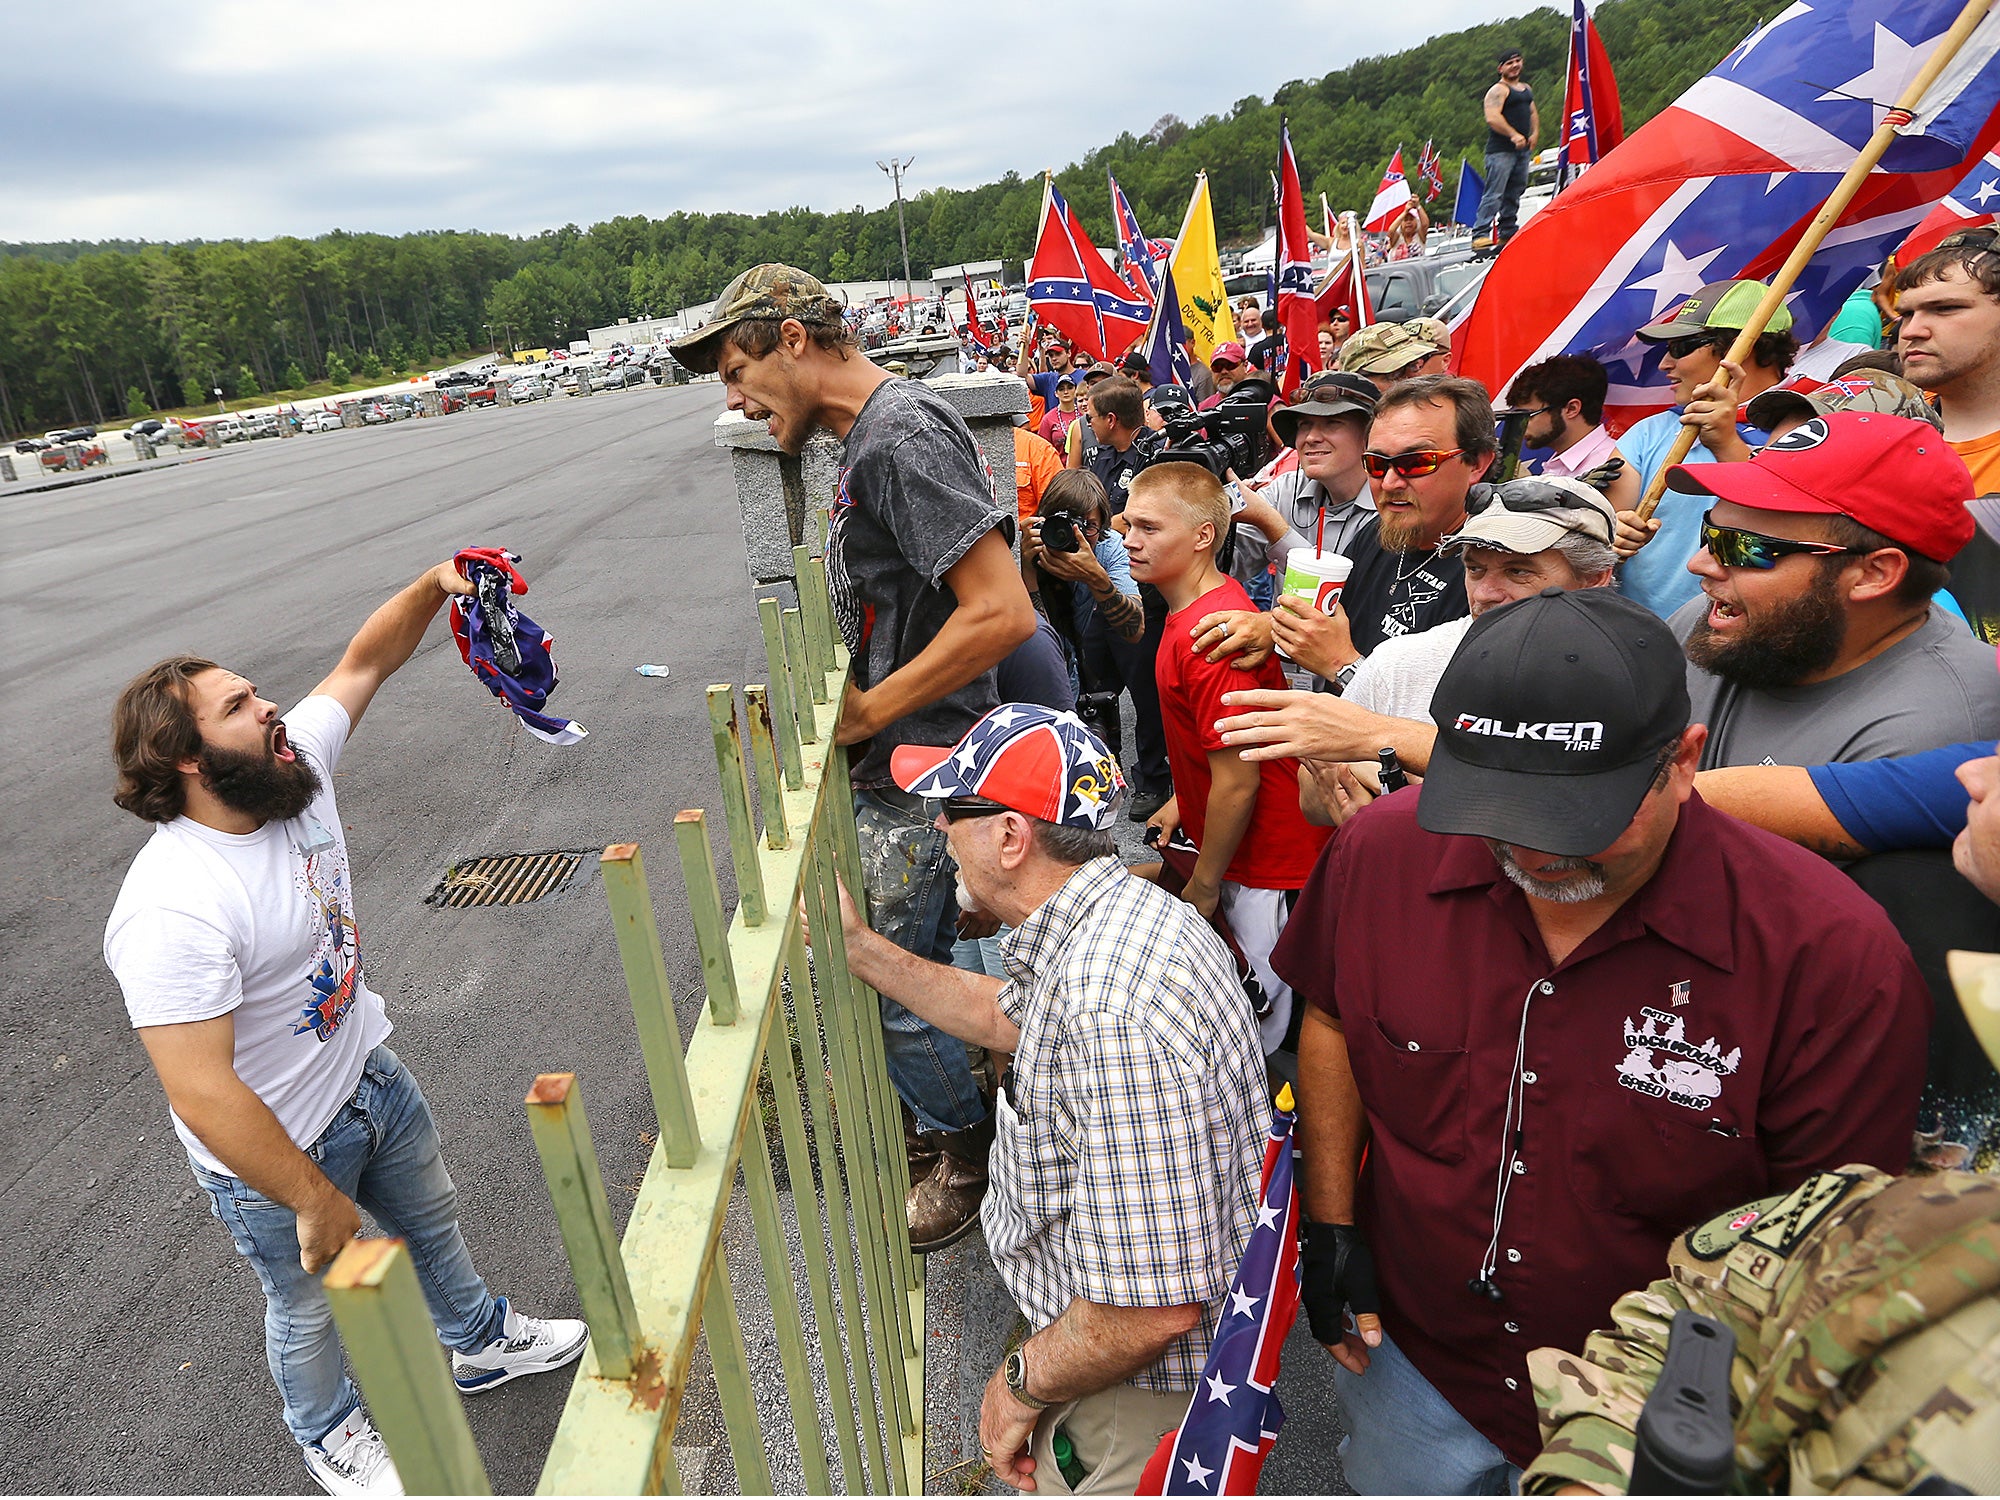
(90, 332)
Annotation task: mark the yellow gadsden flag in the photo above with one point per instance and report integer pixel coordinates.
(1197, 268)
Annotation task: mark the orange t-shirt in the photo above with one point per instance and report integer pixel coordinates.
(1035, 464)
(1982, 456)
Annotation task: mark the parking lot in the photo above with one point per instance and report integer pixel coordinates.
(133, 1351)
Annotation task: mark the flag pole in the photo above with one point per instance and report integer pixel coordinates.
(1823, 222)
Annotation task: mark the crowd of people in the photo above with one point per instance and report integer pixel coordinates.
(1636, 997)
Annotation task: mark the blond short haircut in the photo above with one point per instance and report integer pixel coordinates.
(1196, 493)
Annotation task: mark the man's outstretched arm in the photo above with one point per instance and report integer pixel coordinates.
(388, 639)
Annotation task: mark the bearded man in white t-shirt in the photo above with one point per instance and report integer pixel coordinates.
(235, 942)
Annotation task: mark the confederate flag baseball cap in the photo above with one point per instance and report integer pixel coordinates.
(1891, 474)
(1551, 719)
(1023, 756)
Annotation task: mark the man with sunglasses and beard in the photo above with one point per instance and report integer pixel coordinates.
(1429, 441)
(1555, 1015)
(1815, 638)
(235, 942)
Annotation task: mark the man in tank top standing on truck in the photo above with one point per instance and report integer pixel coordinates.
(1513, 126)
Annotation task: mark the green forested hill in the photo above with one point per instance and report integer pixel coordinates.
(90, 332)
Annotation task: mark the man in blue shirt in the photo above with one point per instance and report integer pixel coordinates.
(1708, 394)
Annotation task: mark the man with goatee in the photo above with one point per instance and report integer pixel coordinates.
(235, 942)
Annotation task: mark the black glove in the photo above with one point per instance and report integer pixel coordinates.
(1601, 477)
(1336, 1276)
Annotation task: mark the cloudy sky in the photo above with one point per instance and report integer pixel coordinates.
(239, 118)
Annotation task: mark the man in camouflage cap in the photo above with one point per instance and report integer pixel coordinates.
(1389, 353)
(1782, 408)
(928, 600)
(1866, 1310)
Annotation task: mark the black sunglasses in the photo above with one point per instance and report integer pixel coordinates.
(957, 809)
(1694, 343)
(1734, 547)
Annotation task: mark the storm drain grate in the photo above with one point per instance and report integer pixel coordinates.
(506, 879)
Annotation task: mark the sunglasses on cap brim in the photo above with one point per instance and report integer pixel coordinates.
(1526, 498)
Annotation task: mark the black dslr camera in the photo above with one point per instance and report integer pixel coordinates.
(1059, 533)
(1231, 435)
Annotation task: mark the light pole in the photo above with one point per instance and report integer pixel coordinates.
(896, 169)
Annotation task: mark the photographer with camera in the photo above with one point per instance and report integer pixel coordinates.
(1077, 559)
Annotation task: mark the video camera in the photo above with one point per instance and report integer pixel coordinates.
(1234, 434)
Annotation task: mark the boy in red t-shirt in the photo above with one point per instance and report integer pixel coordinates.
(1256, 847)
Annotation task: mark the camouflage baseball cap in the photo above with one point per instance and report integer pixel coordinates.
(770, 291)
(1431, 330)
(1859, 390)
(1720, 304)
(1384, 348)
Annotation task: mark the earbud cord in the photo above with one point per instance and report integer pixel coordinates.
(1517, 1109)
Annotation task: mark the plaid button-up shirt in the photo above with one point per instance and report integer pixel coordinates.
(1130, 1139)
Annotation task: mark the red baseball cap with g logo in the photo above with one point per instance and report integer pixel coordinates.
(1891, 474)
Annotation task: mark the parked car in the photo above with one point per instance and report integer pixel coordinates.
(71, 434)
(532, 388)
(451, 378)
(449, 402)
(149, 427)
(262, 425)
(30, 445)
(57, 458)
(319, 421)
(482, 395)
(617, 378)
(230, 429)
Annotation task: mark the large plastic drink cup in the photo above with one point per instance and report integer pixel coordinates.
(1317, 576)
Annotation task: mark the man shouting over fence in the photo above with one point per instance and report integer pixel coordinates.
(929, 599)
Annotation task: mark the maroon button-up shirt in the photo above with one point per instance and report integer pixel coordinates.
(1747, 1018)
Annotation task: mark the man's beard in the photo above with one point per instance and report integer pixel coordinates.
(1586, 883)
(257, 784)
(1397, 535)
(1793, 642)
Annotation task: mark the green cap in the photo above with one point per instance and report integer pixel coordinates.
(770, 291)
(1720, 304)
(1384, 348)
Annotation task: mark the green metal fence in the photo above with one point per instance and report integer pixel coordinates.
(647, 1298)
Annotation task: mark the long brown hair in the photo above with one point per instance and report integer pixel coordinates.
(153, 730)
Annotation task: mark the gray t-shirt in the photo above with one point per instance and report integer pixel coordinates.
(1936, 686)
(1299, 500)
(915, 495)
(1400, 677)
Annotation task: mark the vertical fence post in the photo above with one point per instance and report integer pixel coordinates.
(732, 1381)
(812, 996)
(807, 671)
(397, 1359)
(784, 707)
(728, 736)
(652, 1001)
(760, 1184)
(576, 1188)
(819, 637)
(764, 752)
(812, 1234)
(711, 927)
(858, 1150)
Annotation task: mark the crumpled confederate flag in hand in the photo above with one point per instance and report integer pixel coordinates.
(506, 650)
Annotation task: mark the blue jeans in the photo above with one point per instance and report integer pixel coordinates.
(1506, 180)
(382, 1151)
(912, 902)
(1403, 1438)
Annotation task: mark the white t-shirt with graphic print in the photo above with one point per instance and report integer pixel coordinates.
(261, 924)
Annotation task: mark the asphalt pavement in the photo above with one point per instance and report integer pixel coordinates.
(131, 1350)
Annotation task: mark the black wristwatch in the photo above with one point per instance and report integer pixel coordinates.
(1345, 676)
(1015, 1372)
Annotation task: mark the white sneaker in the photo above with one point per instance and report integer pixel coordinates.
(526, 1346)
(353, 1460)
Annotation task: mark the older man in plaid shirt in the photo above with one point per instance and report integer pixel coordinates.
(1130, 1130)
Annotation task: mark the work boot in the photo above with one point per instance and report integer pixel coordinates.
(944, 1205)
(920, 1146)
